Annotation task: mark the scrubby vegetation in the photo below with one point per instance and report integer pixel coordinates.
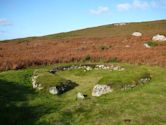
(105, 47)
(113, 59)
(163, 54)
(87, 58)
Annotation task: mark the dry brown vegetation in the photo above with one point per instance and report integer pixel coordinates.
(21, 53)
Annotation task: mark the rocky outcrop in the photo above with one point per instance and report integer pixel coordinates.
(159, 37)
(138, 34)
(99, 90)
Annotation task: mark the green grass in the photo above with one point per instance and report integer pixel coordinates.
(144, 104)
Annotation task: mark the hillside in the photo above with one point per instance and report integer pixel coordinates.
(147, 28)
(109, 43)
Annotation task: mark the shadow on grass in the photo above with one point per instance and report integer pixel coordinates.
(14, 109)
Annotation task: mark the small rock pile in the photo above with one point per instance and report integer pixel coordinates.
(36, 85)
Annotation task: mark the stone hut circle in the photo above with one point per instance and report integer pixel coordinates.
(57, 85)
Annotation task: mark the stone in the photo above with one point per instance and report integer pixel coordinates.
(116, 68)
(88, 68)
(53, 90)
(138, 34)
(80, 96)
(144, 80)
(39, 87)
(121, 69)
(146, 45)
(34, 84)
(159, 37)
(99, 90)
(119, 24)
(52, 71)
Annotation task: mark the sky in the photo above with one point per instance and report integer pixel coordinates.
(25, 18)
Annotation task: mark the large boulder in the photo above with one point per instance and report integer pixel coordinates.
(138, 34)
(159, 37)
(99, 90)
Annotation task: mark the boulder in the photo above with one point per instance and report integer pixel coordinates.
(99, 90)
(53, 90)
(159, 37)
(80, 96)
(138, 34)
